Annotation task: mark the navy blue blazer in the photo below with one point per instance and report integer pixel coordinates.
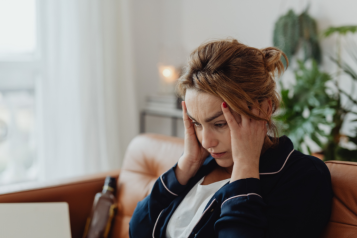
(292, 198)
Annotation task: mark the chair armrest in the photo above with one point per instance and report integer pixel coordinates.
(77, 192)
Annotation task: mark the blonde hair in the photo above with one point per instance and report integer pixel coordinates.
(236, 73)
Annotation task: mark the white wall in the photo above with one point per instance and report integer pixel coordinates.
(193, 22)
(156, 29)
(252, 22)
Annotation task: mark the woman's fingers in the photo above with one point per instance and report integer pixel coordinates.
(245, 119)
(255, 111)
(184, 115)
(261, 123)
(187, 122)
(231, 121)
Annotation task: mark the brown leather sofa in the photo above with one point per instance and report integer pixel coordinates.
(147, 157)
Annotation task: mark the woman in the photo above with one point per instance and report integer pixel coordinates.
(233, 180)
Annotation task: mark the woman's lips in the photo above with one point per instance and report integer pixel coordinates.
(218, 155)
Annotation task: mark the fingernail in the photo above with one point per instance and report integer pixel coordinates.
(224, 104)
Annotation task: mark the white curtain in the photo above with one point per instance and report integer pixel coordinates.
(87, 108)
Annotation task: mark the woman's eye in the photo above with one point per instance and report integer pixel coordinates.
(196, 123)
(221, 125)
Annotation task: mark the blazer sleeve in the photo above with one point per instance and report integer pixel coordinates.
(165, 190)
(242, 210)
(300, 206)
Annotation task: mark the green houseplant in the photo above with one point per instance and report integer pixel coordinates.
(306, 106)
(293, 31)
(333, 149)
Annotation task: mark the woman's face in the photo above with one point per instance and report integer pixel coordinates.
(210, 125)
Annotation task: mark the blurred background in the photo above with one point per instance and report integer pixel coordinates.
(79, 79)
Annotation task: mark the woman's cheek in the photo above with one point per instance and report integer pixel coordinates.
(227, 137)
(224, 129)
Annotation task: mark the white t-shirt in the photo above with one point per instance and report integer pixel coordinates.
(188, 213)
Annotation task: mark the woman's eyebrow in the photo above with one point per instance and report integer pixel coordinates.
(217, 114)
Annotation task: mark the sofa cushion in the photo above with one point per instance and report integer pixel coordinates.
(147, 157)
(343, 221)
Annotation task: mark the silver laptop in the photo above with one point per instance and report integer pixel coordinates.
(34, 220)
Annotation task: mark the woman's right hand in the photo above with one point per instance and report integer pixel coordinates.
(194, 154)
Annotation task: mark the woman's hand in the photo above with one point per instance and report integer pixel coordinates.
(247, 139)
(194, 154)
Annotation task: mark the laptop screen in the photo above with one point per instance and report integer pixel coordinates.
(35, 220)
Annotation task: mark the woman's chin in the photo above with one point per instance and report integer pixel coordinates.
(224, 162)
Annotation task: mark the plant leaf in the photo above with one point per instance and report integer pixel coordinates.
(342, 30)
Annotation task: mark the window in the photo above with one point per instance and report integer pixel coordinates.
(19, 70)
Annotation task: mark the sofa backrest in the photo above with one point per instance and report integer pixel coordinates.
(343, 221)
(147, 157)
(150, 155)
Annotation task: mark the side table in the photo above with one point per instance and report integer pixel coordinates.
(174, 114)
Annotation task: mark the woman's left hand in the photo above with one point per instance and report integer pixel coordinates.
(247, 139)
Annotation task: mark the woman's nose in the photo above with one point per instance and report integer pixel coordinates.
(208, 139)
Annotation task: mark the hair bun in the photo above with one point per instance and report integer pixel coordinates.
(272, 60)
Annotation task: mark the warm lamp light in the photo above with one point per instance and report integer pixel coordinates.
(168, 77)
(169, 73)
